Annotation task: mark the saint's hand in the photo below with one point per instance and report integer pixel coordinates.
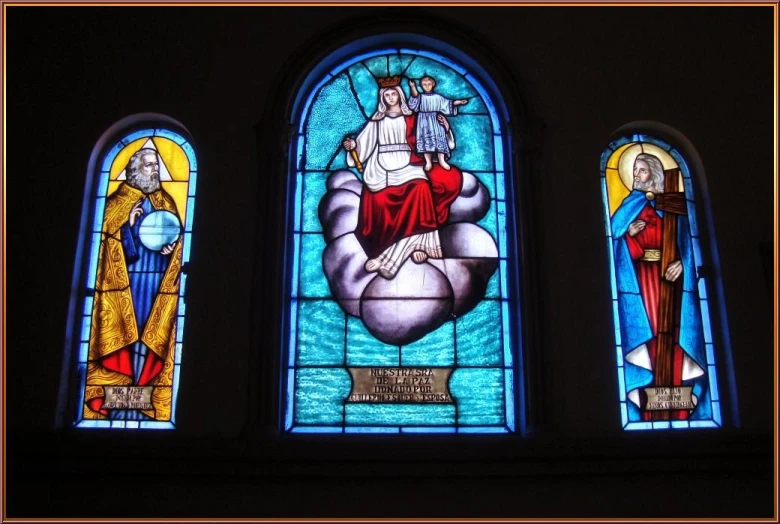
(349, 144)
(136, 212)
(443, 121)
(674, 271)
(411, 83)
(168, 248)
(461, 102)
(635, 227)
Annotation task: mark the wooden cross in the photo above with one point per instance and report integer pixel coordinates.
(673, 204)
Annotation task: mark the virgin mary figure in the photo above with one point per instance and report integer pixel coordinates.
(402, 206)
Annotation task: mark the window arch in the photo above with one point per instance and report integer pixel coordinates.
(126, 319)
(663, 294)
(402, 308)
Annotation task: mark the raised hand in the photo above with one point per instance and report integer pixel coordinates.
(636, 226)
(136, 212)
(460, 102)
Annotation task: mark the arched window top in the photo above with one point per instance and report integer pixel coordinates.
(401, 313)
(670, 359)
(125, 331)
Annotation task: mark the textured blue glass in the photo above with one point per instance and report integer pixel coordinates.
(182, 308)
(705, 317)
(191, 188)
(88, 305)
(489, 222)
(377, 66)
(658, 142)
(500, 186)
(317, 429)
(508, 359)
(623, 414)
(307, 106)
(374, 429)
(400, 414)
(102, 186)
(182, 284)
(489, 181)
(716, 413)
(616, 314)
(298, 202)
(502, 249)
(661, 425)
(478, 343)
(475, 106)
(366, 87)
(190, 214)
(604, 159)
(358, 58)
(473, 143)
(499, 149)
(83, 351)
(621, 385)
(619, 142)
(293, 333)
(334, 114)
(190, 156)
(94, 424)
(111, 155)
(503, 271)
(710, 353)
(679, 424)
(509, 388)
(619, 355)
(177, 353)
(320, 333)
(702, 288)
(313, 190)
(186, 248)
(138, 134)
(713, 384)
(131, 424)
(313, 281)
(85, 327)
(399, 63)
(435, 349)
(175, 391)
(482, 429)
(492, 287)
(703, 424)
(427, 430)
(299, 152)
(153, 424)
(288, 413)
(696, 251)
(365, 350)
(100, 205)
(425, 55)
(680, 162)
(296, 264)
(634, 426)
(179, 328)
(491, 109)
(694, 224)
(320, 394)
(607, 218)
(170, 135)
(480, 395)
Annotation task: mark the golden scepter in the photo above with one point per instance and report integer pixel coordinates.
(354, 155)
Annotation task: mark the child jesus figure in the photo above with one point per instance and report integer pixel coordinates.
(431, 135)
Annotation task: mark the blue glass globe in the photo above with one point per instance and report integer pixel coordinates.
(158, 229)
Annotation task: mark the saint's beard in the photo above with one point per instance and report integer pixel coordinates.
(645, 186)
(147, 184)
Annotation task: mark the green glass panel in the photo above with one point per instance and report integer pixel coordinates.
(479, 335)
(334, 114)
(398, 64)
(320, 395)
(473, 143)
(489, 221)
(365, 350)
(313, 281)
(448, 83)
(435, 349)
(480, 395)
(313, 190)
(489, 181)
(377, 65)
(400, 414)
(366, 88)
(320, 333)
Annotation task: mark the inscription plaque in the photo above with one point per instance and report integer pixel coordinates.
(128, 397)
(400, 384)
(665, 398)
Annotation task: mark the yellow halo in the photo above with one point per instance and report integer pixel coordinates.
(627, 158)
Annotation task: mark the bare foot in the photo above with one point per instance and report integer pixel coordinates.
(372, 265)
(428, 166)
(443, 163)
(419, 256)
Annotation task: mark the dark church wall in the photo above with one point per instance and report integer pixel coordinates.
(579, 73)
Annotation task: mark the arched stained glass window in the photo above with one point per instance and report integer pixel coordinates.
(130, 308)
(660, 295)
(400, 314)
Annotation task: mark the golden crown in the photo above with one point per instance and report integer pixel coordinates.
(391, 81)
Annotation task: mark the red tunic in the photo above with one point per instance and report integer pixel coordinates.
(418, 206)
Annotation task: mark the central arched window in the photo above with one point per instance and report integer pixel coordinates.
(401, 314)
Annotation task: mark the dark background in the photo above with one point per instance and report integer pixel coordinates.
(572, 76)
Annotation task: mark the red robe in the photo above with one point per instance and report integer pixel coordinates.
(418, 206)
(649, 277)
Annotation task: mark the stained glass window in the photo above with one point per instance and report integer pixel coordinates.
(131, 308)
(665, 350)
(400, 315)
